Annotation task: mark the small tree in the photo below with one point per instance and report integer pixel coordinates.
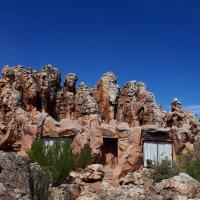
(58, 158)
(38, 153)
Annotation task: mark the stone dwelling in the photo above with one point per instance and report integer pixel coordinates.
(124, 127)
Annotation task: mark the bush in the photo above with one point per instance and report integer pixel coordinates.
(38, 153)
(189, 162)
(81, 160)
(58, 158)
(165, 169)
(192, 168)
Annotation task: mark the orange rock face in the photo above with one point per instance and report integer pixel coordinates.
(136, 106)
(65, 100)
(113, 122)
(106, 94)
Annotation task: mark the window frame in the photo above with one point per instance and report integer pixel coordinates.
(157, 144)
(69, 139)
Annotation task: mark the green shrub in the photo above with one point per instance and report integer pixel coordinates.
(81, 160)
(165, 169)
(38, 153)
(58, 158)
(189, 163)
(192, 168)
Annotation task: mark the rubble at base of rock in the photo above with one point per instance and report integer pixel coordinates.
(20, 180)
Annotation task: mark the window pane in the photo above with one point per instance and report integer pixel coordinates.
(150, 152)
(50, 141)
(164, 151)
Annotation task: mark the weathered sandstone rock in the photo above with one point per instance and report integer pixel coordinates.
(49, 83)
(112, 122)
(65, 192)
(92, 172)
(106, 93)
(182, 184)
(65, 100)
(85, 103)
(136, 106)
(91, 137)
(14, 177)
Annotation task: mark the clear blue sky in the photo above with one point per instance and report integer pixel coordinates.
(157, 42)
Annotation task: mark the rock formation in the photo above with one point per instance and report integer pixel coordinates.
(49, 82)
(14, 177)
(85, 103)
(113, 122)
(178, 186)
(20, 180)
(139, 186)
(94, 172)
(137, 106)
(106, 94)
(65, 101)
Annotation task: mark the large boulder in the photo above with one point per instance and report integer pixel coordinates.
(182, 185)
(21, 180)
(14, 177)
(91, 173)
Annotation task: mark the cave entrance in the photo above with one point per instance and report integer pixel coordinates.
(109, 151)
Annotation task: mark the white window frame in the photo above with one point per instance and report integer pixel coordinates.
(157, 147)
(49, 141)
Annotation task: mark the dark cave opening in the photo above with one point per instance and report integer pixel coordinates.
(38, 102)
(109, 151)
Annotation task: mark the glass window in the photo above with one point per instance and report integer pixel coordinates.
(156, 151)
(49, 141)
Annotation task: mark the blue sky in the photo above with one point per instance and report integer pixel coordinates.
(157, 42)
